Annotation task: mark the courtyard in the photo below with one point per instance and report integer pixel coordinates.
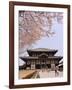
(44, 73)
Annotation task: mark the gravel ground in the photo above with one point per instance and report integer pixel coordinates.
(40, 73)
(46, 74)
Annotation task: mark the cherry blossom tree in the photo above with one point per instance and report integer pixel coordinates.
(34, 25)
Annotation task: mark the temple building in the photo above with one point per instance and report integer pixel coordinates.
(41, 58)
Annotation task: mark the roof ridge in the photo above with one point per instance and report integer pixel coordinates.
(41, 49)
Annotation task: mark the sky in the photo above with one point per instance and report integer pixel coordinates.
(52, 42)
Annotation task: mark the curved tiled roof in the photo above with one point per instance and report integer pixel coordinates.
(41, 49)
(36, 58)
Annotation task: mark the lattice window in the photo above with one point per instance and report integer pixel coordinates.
(56, 61)
(47, 61)
(52, 61)
(37, 61)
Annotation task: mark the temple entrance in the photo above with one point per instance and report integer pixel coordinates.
(43, 66)
(43, 57)
(38, 66)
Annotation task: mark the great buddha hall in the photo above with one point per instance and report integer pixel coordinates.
(41, 58)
